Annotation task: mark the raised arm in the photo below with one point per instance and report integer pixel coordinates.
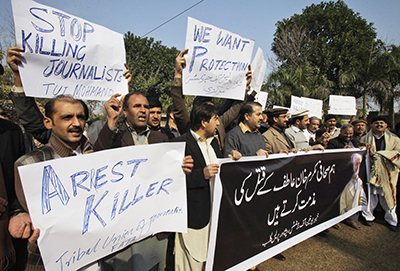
(27, 110)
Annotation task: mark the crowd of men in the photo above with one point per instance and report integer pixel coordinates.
(136, 120)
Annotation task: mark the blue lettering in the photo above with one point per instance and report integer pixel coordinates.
(38, 28)
(49, 175)
(89, 210)
(196, 55)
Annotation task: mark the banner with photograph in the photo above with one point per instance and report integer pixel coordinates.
(268, 205)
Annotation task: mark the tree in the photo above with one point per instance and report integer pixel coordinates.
(337, 42)
(151, 65)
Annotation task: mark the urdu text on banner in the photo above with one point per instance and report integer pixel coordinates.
(263, 206)
(64, 54)
(216, 63)
(92, 205)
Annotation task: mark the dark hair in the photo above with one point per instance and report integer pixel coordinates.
(247, 108)
(201, 100)
(169, 111)
(347, 126)
(154, 102)
(319, 133)
(127, 96)
(85, 109)
(293, 120)
(377, 118)
(49, 107)
(199, 113)
(330, 116)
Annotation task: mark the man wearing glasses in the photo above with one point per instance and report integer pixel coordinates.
(275, 138)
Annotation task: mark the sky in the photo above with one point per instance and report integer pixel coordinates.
(253, 19)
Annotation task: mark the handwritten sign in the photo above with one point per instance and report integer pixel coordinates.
(342, 105)
(262, 98)
(300, 194)
(217, 61)
(92, 205)
(314, 106)
(258, 67)
(65, 54)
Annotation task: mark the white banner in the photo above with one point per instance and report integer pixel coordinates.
(65, 54)
(216, 63)
(92, 205)
(258, 67)
(342, 105)
(314, 106)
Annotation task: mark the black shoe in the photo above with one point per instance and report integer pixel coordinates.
(351, 224)
(280, 257)
(336, 226)
(368, 223)
(323, 233)
(393, 228)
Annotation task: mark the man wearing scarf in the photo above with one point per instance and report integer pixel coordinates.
(385, 163)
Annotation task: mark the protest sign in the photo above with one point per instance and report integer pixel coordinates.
(342, 105)
(262, 206)
(262, 98)
(314, 106)
(216, 63)
(258, 67)
(92, 205)
(64, 54)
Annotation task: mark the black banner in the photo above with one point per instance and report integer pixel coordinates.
(268, 203)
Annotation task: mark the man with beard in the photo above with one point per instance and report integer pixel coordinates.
(360, 128)
(385, 163)
(345, 139)
(330, 125)
(275, 138)
(154, 121)
(295, 132)
(245, 137)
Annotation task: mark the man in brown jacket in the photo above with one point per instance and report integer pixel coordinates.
(275, 138)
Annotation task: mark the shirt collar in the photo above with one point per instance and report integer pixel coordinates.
(246, 129)
(146, 132)
(295, 129)
(378, 137)
(199, 138)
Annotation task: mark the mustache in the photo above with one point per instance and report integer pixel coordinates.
(75, 129)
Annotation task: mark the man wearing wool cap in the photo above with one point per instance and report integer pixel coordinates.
(299, 121)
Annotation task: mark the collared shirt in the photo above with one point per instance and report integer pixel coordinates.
(205, 147)
(246, 129)
(140, 138)
(380, 143)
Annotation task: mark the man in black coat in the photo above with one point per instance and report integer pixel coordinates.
(345, 139)
(203, 146)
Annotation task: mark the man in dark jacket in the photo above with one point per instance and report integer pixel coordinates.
(203, 146)
(345, 139)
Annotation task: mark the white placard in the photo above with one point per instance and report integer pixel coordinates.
(92, 205)
(262, 98)
(342, 105)
(216, 63)
(65, 54)
(258, 68)
(314, 106)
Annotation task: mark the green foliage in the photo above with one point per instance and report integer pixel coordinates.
(337, 43)
(151, 65)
